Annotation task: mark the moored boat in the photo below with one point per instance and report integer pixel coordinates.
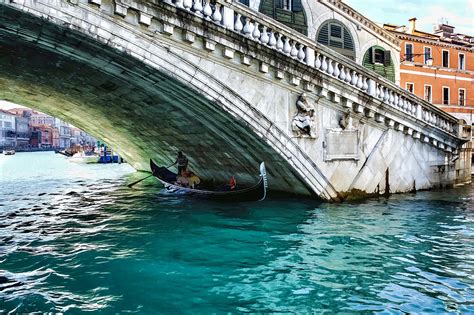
(9, 152)
(256, 192)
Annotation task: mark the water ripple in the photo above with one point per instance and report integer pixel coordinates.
(92, 244)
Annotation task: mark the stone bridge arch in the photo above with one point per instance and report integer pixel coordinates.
(145, 95)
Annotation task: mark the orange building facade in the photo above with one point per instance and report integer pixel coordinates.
(438, 67)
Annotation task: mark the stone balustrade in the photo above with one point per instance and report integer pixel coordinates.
(257, 27)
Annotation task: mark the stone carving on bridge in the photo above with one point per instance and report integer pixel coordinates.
(303, 121)
(346, 121)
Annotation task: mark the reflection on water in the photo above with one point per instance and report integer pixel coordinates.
(75, 238)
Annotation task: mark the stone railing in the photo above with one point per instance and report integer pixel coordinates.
(272, 34)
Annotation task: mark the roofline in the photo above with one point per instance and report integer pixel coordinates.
(435, 41)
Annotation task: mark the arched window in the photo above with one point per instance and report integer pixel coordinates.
(336, 36)
(288, 12)
(378, 59)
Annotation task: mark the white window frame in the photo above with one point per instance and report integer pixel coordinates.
(406, 87)
(442, 55)
(412, 52)
(431, 92)
(442, 95)
(459, 61)
(465, 97)
(424, 55)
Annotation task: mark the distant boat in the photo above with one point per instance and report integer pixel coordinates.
(9, 152)
(81, 157)
(64, 152)
(256, 192)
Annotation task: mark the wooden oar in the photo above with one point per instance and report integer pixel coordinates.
(130, 185)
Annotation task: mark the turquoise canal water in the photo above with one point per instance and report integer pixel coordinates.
(74, 238)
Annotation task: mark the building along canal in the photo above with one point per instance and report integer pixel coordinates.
(74, 238)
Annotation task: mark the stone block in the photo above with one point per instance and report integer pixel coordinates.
(228, 53)
(369, 113)
(346, 103)
(209, 45)
(399, 127)
(98, 2)
(279, 74)
(358, 108)
(379, 118)
(294, 80)
(168, 29)
(145, 19)
(246, 60)
(120, 10)
(189, 37)
(308, 86)
(263, 67)
(389, 122)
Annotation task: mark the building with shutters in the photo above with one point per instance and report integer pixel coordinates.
(338, 26)
(438, 67)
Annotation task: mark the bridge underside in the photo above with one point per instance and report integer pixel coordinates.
(140, 111)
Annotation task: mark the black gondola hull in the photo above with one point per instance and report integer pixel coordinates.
(256, 192)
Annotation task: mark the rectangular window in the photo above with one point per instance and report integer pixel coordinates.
(445, 58)
(378, 56)
(462, 97)
(410, 87)
(427, 55)
(428, 93)
(445, 95)
(462, 65)
(409, 52)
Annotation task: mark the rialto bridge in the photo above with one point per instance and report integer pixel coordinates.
(224, 84)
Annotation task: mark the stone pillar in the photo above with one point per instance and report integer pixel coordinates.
(228, 18)
(309, 56)
(372, 88)
(419, 111)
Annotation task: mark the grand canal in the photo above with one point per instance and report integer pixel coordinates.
(74, 238)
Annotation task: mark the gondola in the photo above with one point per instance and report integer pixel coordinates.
(256, 192)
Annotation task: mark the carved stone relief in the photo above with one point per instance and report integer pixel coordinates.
(303, 121)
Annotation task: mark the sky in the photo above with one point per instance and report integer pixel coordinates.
(5, 105)
(458, 13)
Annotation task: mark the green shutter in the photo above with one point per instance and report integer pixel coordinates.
(296, 18)
(323, 36)
(387, 70)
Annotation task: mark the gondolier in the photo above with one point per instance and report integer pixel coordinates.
(182, 162)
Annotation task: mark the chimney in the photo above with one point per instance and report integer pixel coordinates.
(411, 27)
